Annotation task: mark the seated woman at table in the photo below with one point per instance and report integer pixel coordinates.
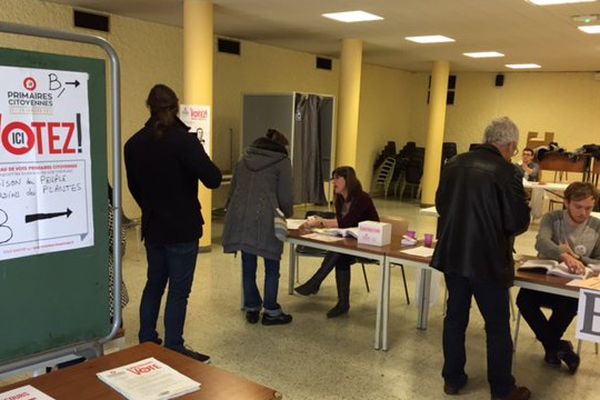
(572, 236)
(352, 205)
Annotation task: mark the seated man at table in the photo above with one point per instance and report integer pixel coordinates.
(530, 169)
(571, 235)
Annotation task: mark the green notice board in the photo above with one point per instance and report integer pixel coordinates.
(53, 202)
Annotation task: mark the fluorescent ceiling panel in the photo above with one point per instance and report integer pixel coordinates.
(352, 16)
(592, 29)
(429, 39)
(484, 54)
(523, 66)
(554, 2)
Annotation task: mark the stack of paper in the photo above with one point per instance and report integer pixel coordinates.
(148, 379)
(25, 393)
(420, 251)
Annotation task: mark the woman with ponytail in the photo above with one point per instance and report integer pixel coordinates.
(164, 162)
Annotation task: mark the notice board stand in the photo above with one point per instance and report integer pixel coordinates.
(55, 304)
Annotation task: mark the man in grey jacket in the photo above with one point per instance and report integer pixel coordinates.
(572, 236)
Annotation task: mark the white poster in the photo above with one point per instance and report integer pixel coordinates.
(45, 164)
(197, 117)
(588, 315)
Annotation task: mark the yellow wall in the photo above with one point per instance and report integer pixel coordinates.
(149, 53)
(565, 103)
(384, 115)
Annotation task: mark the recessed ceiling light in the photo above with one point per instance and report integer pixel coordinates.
(585, 19)
(352, 16)
(429, 39)
(523, 66)
(484, 54)
(553, 2)
(592, 29)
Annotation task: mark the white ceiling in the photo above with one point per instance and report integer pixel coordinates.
(523, 32)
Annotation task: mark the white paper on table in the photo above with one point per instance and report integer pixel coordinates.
(590, 283)
(294, 223)
(25, 393)
(420, 251)
(148, 379)
(322, 238)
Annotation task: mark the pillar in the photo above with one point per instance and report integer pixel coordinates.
(349, 99)
(435, 131)
(198, 81)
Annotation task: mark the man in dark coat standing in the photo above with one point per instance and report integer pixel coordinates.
(164, 163)
(482, 207)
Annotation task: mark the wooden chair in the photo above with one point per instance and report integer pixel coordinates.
(533, 141)
(561, 165)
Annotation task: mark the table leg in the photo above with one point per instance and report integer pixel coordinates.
(423, 300)
(378, 319)
(292, 268)
(386, 306)
(241, 283)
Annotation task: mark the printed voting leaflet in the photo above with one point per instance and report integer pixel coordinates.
(148, 379)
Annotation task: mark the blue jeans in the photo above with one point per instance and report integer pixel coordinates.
(252, 299)
(175, 264)
(493, 301)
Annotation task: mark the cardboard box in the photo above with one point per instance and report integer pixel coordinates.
(374, 233)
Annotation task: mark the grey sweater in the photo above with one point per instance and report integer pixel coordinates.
(583, 240)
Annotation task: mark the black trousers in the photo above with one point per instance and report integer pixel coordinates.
(549, 331)
(493, 301)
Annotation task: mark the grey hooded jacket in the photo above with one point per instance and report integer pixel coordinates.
(262, 182)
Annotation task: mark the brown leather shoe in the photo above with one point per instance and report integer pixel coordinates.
(518, 393)
(452, 390)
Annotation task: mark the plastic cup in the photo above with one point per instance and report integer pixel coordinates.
(412, 234)
(428, 240)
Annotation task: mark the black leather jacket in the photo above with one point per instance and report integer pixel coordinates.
(482, 207)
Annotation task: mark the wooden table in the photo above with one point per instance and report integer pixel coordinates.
(545, 283)
(347, 246)
(80, 381)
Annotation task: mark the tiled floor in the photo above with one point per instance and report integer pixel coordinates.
(316, 358)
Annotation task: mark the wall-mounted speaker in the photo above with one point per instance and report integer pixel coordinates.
(323, 63)
(499, 80)
(88, 20)
(228, 46)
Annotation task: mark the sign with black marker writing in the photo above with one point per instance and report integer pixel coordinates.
(45, 162)
(588, 315)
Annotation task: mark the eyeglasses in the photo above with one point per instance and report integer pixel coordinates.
(515, 151)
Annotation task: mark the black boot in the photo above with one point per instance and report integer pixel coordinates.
(314, 283)
(342, 279)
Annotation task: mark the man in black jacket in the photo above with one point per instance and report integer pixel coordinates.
(482, 207)
(164, 163)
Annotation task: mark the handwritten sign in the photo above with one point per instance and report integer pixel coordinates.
(45, 163)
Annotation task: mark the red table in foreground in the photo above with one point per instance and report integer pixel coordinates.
(80, 381)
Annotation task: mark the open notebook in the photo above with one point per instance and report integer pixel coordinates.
(552, 267)
(342, 232)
